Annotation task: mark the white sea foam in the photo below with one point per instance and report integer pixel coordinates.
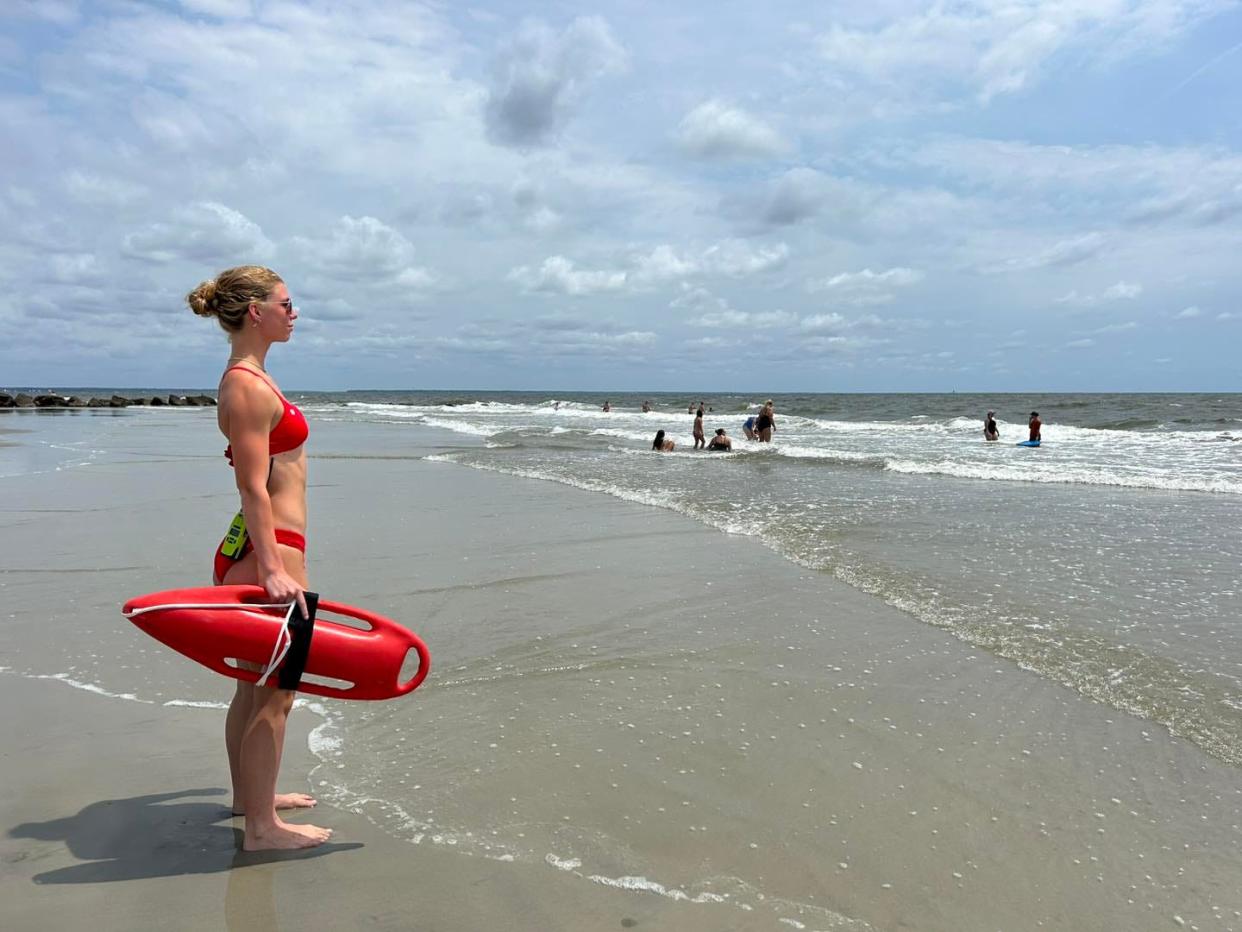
(804, 451)
(1158, 459)
(463, 427)
(325, 740)
(88, 687)
(196, 704)
(1060, 472)
(643, 885)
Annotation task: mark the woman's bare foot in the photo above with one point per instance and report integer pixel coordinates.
(288, 801)
(284, 836)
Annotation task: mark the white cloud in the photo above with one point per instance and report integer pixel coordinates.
(415, 278)
(626, 338)
(663, 264)
(731, 318)
(1080, 344)
(834, 322)
(695, 298)
(715, 130)
(642, 270)
(234, 9)
(558, 274)
(1188, 313)
(738, 259)
(1069, 251)
(206, 233)
(1140, 184)
(719, 315)
(822, 322)
(473, 345)
(1116, 328)
(577, 341)
(173, 123)
(543, 219)
(1213, 210)
(541, 75)
(714, 342)
(987, 48)
(366, 251)
(726, 317)
(1122, 291)
(101, 191)
(865, 288)
(77, 269)
(837, 346)
(59, 12)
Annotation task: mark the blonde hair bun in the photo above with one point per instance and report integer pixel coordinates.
(202, 300)
(227, 296)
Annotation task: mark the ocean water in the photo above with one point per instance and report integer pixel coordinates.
(1106, 560)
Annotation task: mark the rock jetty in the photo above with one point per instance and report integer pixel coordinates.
(22, 400)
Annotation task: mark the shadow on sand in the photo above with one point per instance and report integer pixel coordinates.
(153, 836)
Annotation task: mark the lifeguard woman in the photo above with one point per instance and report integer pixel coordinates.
(266, 448)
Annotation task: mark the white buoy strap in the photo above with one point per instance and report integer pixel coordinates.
(279, 651)
(231, 606)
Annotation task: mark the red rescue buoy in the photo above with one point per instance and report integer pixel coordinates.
(220, 626)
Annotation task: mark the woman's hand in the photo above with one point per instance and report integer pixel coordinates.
(281, 587)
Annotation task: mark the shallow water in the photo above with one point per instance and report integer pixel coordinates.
(1105, 560)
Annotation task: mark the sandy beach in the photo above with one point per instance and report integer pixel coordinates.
(633, 720)
(118, 841)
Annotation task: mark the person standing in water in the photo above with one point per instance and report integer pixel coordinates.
(698, 430)
(267, 449)
(990, 431)
(765, 423)
(1035, 424)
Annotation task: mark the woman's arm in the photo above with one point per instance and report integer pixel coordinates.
(251, 409)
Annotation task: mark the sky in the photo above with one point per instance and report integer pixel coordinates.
(864, 195)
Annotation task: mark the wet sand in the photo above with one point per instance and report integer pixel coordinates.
(804, 757)
(124, 827)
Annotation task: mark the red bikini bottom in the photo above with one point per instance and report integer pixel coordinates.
(224, 564)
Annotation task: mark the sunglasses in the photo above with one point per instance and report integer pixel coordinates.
(287, 304)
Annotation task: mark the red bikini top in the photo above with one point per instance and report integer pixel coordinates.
(290, 431)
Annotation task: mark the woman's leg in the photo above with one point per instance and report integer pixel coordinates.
(234, 728)
(261, 747)
(255, 738)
